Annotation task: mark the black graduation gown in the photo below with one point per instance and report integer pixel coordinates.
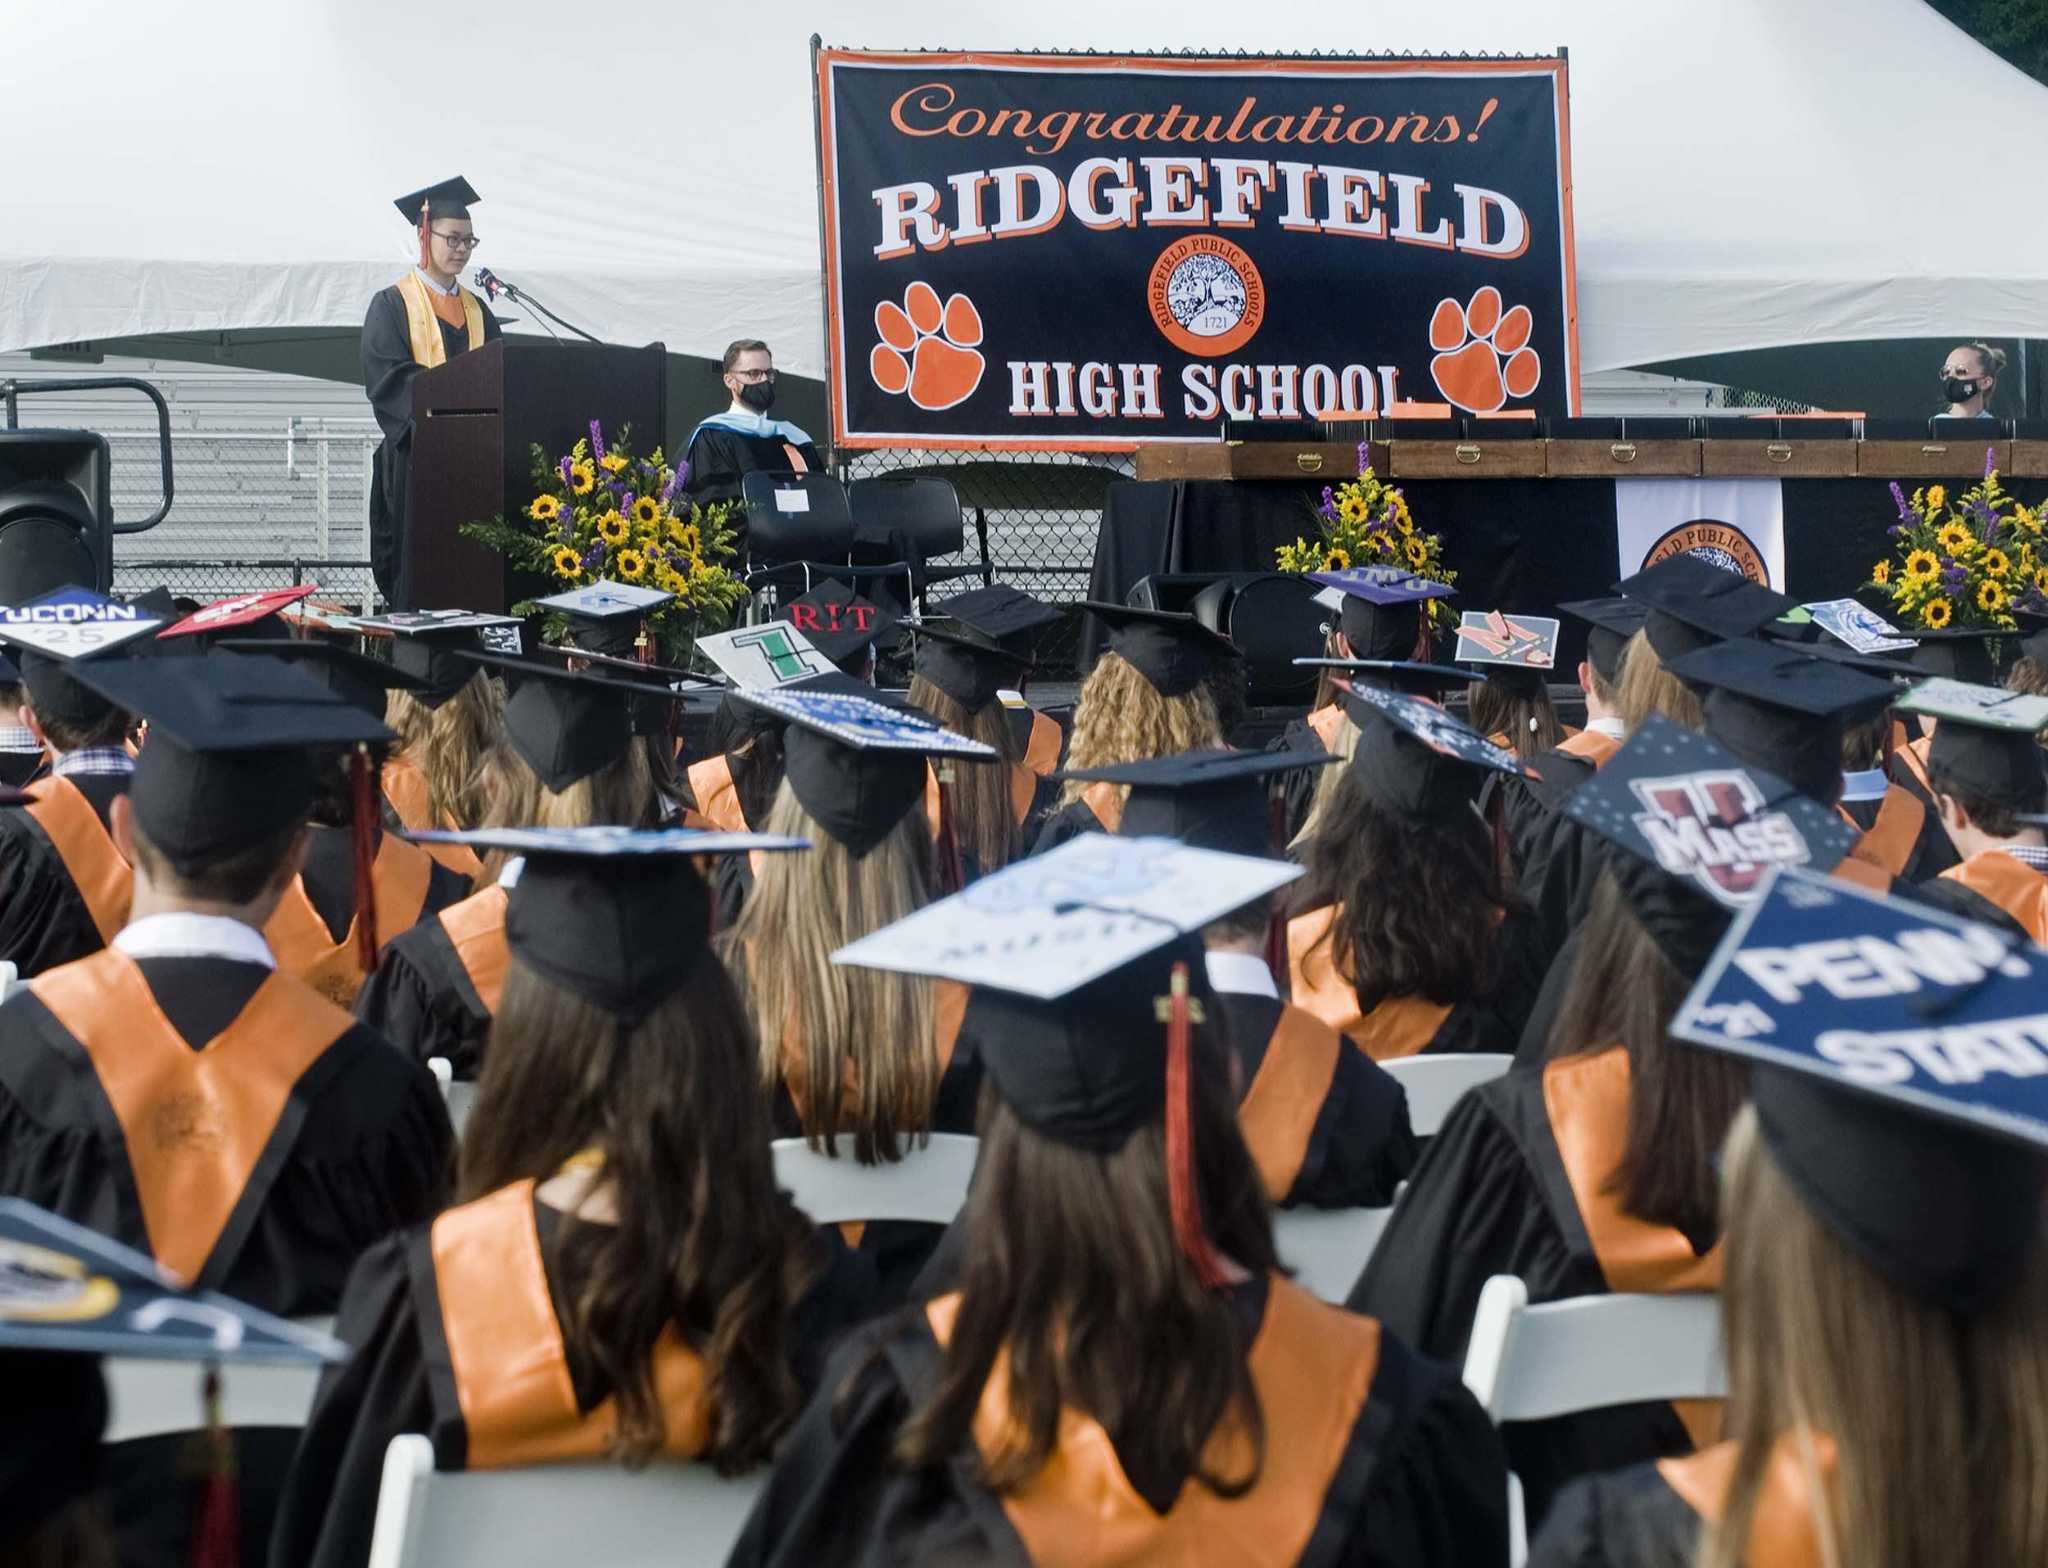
(1628, 1519)
(1055, 827)
(423, 1001)
(388, 371)
(1298, 789)
(1491, 1196)
(1420, 1483)
(329, 1504)
(1932, 851)
(371, 1155)
(720, 460)
(43, 918)
(1360, 1146)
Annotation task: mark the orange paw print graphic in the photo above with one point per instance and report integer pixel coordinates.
(1483, 356)
(927, 349)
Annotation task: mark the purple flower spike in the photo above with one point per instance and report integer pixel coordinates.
(568, 477)
(1364, 456)
(1990, 461)
(1327, 512)
(593, 558)
(1899, 499)
(1329, 495)
(1952, 576)
(597, 440)
(675, 484)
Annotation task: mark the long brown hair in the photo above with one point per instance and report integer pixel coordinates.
(1941, 1442)
(703, 1240)
(1420, 902)
(1121, 717)
(1523, 713)
(1646, 687)
(1624, 991)
(983, 823)
(855, 1047)
(447, 743)
(1072, 1269)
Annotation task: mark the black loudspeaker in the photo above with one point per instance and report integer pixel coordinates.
(1271, 618)
(56, 512)
(1173, 591)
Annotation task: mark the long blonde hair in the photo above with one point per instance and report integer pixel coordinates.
(511, 795)
(1121, 717)
(1940, 1424)
(1646, 687)
(1342, 745)
(855, 1046)
(447, 743)
(984, 826)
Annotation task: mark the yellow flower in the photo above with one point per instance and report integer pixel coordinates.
(1934, 614)
(1336, 559)
(545, 509)
(1353, 509)
(1418, 552)
(2041, 582)
(1995, 563)
(612, 463)
(582, 478)
(631, 566)
(567, 563)
(2028, 522)
(1881, 573)
(669, 580)
(612, 529)
(1937, 498)
(1380, 541)
(1921, 565)
(688, 537)
(1954, 538)
(646, 511)
(1990, 596)
(1404, 522)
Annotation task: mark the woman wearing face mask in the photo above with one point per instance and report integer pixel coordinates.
(1967, 377)
(743, 440)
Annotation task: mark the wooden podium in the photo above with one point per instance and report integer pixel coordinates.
(476, 420)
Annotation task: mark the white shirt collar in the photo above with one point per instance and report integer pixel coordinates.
(182, 935)
(1240, 974)
(1609, 726)
(451, 289)
(1865, 784)
(508, 876)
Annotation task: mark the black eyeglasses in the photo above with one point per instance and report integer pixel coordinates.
(755, 375)
(457, 241)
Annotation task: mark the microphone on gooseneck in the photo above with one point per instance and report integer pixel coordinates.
(492, 284)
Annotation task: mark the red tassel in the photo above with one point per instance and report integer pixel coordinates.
(952, 874)
(1180, 1139)
(217, 1522)
(426, 251)
(363, 824)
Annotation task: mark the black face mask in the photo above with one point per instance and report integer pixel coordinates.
(1956, 391)
(758, 395)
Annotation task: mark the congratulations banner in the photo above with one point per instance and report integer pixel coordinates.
(1081, 252)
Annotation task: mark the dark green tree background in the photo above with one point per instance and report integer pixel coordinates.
(2015, 30)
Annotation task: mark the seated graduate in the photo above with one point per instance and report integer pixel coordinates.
(1124, 1373)
(743, 440)
(1410, 936)
(576, 1304)
(841, 624)
(1956, 653)
(1325, 1124)
(1596, 1173)
(867, 1058)
(1884, 1312)
(1510, 705)
(1991, 788)
(616, 643)
(995, 808)
(1147, 696)
(1902, 835)
(21, 752)
(64, 885)
(1014, 621)
(567, 761)
(447, 715)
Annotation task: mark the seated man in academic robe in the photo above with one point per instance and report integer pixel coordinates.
(743, 440)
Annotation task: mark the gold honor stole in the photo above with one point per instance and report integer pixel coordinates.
(424, 327)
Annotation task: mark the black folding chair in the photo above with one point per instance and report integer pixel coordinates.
(800, 528)
(917, 517)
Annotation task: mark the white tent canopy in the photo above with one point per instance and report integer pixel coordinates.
(1748, 173)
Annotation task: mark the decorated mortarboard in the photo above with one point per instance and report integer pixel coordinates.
(1692, 602)
(1957, 653)
(1900, 1076)
(429, 644)
(348, 674)
(1416, 761)
(1213, 799)
(1775, 707)
(971, 670)
(1984, 741)
(565, 724)
(1412, 676)
(774, 653)
(1858, 626)
(1518, 648)
(617, 916)
(1611, 623)
(1699, 831)
(1380, 608)
(1174, 652)
(247, 615)
(856, 764)
(449, 199)
(1005, 615)
(838, 622)
(605, 616)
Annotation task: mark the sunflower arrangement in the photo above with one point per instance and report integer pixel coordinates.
(1364, 522)
(1973, 560)
(601, 511)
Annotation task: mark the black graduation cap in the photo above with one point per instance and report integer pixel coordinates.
(605, 616)
(618, 916)
(433, 651)
(235, 746)
(1919, 1144)
(970, 670)
(857, 765)
(566, 724)
(1699, 833)
(1775, 707)
(1957, 653)
(449, 199)
(1415, 761)
(1210, 799)
(662, 686)
(348, 674)
(1382, 609)
(1692, 602)
(1004, 615)
(1175, 653)
(838, 622)
(1985, 741)
(1611, 623)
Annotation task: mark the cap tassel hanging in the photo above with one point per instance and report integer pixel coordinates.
(1277, 961)
(1182, 1196)
(362, 826)
(217, 1520)
(426, 248)
(952, 875)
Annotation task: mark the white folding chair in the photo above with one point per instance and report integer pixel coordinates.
(929, 1183)
(595, 1515)
(460, 1098)
(150, 1398)
(1328, 1248)
(1435, 1083)
(1527, 1363)
(10, 978)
